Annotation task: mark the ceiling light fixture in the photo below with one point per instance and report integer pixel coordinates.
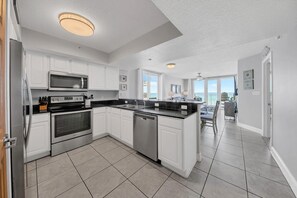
(170, 65)
(76, 24)
(199, 77)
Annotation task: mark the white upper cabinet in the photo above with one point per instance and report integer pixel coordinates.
(79, 68)
(112, 78)
(96, 77)
(37, 67)
(60, 64)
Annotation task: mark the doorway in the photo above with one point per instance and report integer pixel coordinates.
(267, 97)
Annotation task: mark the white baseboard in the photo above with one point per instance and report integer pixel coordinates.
(250, 128)
(287, 173)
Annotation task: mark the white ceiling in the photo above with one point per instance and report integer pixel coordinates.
(117, 22)
(215, 34)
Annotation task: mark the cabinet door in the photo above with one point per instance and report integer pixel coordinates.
(115, 120)
(170, 146)
(108, 117)
(112, 78)
(37, 67)
(99, 124)
(79, 68)
(39, 139)
(96, 77)
(60, 64)
(127, 130)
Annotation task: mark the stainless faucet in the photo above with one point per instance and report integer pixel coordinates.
(136, 103)
(144, 103)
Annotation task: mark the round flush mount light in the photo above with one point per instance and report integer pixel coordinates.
(170, 65)
(76, 24)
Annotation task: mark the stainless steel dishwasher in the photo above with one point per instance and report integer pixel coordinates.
(145, 135)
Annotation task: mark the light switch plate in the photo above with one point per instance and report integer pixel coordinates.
(184, 107)
(156, 104)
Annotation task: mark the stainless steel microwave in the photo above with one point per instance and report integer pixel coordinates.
(63, 81)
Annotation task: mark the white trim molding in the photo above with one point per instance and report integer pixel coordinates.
(285, 170)
(250, 128)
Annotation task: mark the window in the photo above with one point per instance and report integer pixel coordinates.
(199, 90)
(150, 85)
(227, 88)
(212, 91)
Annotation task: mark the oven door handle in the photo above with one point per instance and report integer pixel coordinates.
(71, 112)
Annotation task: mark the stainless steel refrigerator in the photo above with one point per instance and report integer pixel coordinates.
(20, 96)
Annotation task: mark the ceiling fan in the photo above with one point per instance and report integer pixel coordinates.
(199, 77)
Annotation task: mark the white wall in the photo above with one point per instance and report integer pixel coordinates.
(167, 81)
(250, 101)
(284, 63)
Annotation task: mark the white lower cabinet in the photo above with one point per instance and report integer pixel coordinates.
(170, 145)
(127, 126)
(177, 143)
(39, 138)
(115, 122)
(99, 122)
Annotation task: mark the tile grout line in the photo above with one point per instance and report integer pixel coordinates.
(79, 176)
(187, 186)
(212, 162)
(120, 171)
(245, 172)
(162, 184)
(37, 188)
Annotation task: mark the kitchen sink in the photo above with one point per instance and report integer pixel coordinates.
(130, 106)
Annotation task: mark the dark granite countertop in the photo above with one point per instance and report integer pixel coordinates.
(157, 111)
(164, 110)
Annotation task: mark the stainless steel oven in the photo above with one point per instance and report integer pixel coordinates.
(63, 81)
(68, 125)
(71, 123)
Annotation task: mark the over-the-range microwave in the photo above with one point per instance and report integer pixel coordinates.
(63, 81)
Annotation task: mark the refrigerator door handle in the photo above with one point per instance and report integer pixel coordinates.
(27, 135)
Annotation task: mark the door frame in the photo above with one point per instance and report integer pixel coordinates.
(265, 116)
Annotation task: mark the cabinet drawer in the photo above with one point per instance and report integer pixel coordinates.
(127, 114)
(99, 110)
(115, 110)
(170, 122)
(44, 117)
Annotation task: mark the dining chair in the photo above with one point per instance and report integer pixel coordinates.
(210, 119)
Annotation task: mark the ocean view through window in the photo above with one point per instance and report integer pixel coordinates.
(150, 85)
(210, 90)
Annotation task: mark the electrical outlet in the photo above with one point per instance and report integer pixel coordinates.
(184, 107)
(126, 102)
(156, 104)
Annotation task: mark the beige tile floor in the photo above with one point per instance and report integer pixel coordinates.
(236, 163)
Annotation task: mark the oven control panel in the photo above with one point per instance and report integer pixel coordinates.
(66, 99)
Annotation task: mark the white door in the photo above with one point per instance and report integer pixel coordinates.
(60, 64)
(39, 140)
(96, 77)
(79, 68)
(267, 96)
(99, 124)
(115, 121)
(112, 78)
(127, 130)
(37, 67)
(170, 146)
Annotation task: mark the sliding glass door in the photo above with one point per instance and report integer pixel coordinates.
(212, 92)
(212, 89)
